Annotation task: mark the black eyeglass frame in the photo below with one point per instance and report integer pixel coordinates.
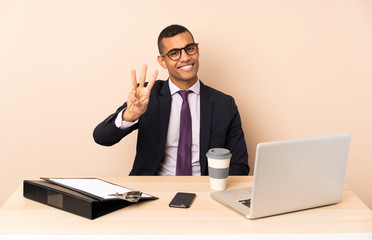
(180, 51)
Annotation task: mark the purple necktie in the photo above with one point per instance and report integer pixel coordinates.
(185, 141)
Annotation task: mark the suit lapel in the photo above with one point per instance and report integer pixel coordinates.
(164, 106)
(206, 111)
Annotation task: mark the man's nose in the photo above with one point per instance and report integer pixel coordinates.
(184, 56)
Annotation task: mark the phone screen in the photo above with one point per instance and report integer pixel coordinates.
(182, 200)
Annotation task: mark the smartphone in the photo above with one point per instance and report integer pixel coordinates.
(182, 200)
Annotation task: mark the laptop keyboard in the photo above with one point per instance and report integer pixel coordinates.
(246, 202)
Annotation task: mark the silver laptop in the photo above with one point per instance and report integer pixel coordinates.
(292, 175)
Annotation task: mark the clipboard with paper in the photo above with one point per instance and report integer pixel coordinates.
(100, 189)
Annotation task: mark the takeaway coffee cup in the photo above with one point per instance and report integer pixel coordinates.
(218, 167)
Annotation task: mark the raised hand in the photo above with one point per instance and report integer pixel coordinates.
(138, 98)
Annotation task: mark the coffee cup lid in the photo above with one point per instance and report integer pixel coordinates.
(218, 153)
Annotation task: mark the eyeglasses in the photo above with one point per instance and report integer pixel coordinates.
(175, 53)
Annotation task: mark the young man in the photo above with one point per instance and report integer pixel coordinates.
(178, 120)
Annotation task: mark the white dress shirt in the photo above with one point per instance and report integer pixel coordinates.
(168, 166)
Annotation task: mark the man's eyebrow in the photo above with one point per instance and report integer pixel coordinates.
(174, 49)
(180, 48)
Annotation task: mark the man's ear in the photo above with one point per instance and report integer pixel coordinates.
(161, 61)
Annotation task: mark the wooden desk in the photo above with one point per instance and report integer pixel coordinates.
(206, 216)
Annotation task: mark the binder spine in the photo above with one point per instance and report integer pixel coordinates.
(57, 199)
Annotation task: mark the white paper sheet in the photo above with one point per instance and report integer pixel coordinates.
(94, 186)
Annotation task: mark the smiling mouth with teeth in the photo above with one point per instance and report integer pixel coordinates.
(187, 67)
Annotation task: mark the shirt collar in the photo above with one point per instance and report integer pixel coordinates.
(194, 88)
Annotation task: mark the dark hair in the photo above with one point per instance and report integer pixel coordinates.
(169, 32)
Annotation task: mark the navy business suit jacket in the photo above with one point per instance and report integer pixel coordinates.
(220, 127)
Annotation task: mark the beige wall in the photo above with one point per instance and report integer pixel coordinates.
(295, 68)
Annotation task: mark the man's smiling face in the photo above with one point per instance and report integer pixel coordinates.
(182, 72)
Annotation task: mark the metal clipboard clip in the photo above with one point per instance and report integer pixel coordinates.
(132, 196)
